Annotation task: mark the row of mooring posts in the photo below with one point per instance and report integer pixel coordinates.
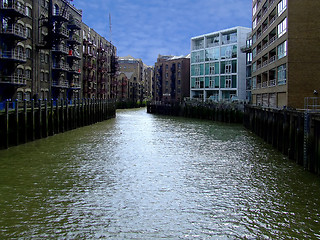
(24, 121)
(294, 133)
(221, 113)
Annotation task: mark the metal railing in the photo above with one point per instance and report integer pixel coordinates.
(312, 104)
(15, 29)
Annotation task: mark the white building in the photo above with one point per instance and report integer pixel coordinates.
(218, 67)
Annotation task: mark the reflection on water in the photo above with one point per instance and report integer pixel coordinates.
(142, 176)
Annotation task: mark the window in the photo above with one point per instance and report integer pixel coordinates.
(254, 67)
(19, 96)
(254, 23)
(212, 54)
(249, 57)
(228, 81)
(229, 38)
(282, 27)
(254, 52)
(46, 58)
(28, 11)
(282, 74)
(41, 76)
(211, 82)
(21, 51)
(28, 31)
(56, 10)
(28, 53)
(282, 7)
(229, 52)
(211, 69)
(282, 50)
(28, 74)
(20, 72)
(28, 96)
(46, 77)
(254, 9)
(42, 57)
(228, 67)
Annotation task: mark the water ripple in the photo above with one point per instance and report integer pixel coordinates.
(141, 176)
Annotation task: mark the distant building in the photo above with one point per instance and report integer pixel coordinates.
(122, 87)
(218, 69)
(247, 49)
(133, 69)
(148, 81)
(99, 71)
(285, 49)
(172, 78)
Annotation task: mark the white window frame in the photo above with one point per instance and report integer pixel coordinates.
(282, 28)
(282, 6)
(228, 67)
(211, 69)
(282, 50)
(228, 83)
(211, 82)
(282, 74)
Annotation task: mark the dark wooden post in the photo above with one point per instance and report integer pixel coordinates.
(40, 123)
(51, 128)
(25, 121)
(6, 127)
(62, 116)
(67, 115)
(45, 119)
(16, 123)
(33, 121)
(57, 123)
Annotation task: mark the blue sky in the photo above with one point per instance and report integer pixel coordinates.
(146, 28)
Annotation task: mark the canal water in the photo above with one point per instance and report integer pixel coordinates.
(142, 176)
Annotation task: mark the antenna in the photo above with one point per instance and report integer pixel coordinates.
(110, 28)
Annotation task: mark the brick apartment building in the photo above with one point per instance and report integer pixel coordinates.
(172, 78)
(285, 52)
(41, 51)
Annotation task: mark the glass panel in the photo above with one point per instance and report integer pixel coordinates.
(212, 54)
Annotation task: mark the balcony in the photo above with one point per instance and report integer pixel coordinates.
(74, 24)
(13, 55)
(62, 32)
(60, 49)
(272, 59)
(14, 79)
(60, 84)
(264, 84)
(61, 66)
(75, 70)
(13, 8)
(74, 39)
(60, 16)
(75, 84)
(272, 83)
(72, 54)
(15, 31)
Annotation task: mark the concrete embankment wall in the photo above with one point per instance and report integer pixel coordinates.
(294, 133)
(21, 122)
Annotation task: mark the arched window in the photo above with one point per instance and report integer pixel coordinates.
(56, 10)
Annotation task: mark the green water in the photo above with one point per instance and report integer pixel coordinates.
(142, 176)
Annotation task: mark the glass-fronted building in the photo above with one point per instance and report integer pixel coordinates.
(217, 66)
